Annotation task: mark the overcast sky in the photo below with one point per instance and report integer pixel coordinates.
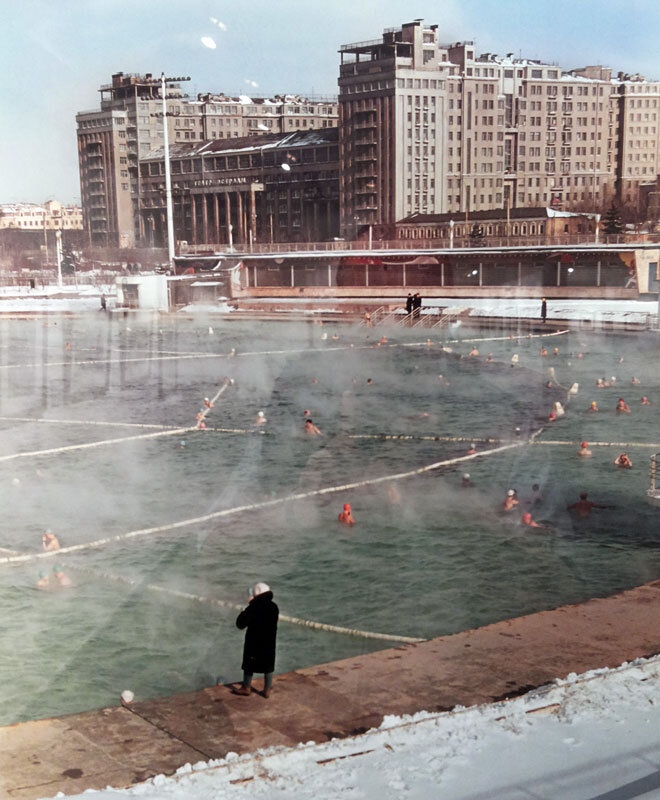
(58, 52)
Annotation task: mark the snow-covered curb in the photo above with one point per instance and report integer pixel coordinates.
(423, 750)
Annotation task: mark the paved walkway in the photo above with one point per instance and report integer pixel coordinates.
(120, 747)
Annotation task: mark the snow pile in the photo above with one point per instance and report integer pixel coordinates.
(574, 738)
(591, 309)
(208, 308)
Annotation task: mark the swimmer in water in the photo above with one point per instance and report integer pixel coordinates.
(472, 450)
(543, 352)
(62, 579)
(527, 520)
(646, 401)
(383, 339)
(473, 352)
(306, 413)
(489, 358)
(514, 360)
(335, 337)
(510, 502)
(311, 429)
(466, 483)
(369, 381)
(555, 352)
(49, 542)
(623, 461)
(579, 355)
(612, 380)
(622, 406)
(583, 506)
(261, 419)
(552, 417)
(593, 407)
(43, 581)
(201, 425)
(207, 403)
(584, 450)
(346, 517)
(635, 380)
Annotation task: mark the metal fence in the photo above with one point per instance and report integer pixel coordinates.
(413, 244)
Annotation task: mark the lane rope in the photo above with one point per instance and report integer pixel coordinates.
(101, 424)
(215, 515)
(407, 437)
(511, 338)
(318, 350)
(214, 601)
(101, 443)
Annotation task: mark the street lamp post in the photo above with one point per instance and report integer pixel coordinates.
(58, 252)
(168, 178)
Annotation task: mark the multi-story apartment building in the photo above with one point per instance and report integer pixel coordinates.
(638, 153)
(432, 128)
(114, 139)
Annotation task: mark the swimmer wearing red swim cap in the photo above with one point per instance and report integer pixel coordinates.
(346, 517)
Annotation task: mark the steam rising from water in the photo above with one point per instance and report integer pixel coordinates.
(426, 559)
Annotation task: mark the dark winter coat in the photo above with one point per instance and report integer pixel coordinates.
(260, 619)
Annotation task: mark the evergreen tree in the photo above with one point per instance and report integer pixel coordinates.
(612, 220)
(68, 262)
(477, 233)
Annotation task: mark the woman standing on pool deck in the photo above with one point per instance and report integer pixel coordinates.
(260, 618)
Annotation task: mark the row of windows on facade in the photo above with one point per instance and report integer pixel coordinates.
(252, 124)
(254, 160)
(423, 202)
(247, 110)
(444, 231)
(31, 223)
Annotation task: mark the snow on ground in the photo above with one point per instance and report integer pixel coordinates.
(20, 299)
(53, 298)
(514, 307)
(575, 739)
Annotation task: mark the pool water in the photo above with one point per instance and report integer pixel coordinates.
(432, 560)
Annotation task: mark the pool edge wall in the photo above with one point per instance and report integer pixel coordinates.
(123, 746)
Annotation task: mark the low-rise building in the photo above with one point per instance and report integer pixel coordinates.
(517, 226)
(51, 216)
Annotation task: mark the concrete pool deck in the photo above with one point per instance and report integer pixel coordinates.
(120, 747)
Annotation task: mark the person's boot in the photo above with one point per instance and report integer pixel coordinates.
(245, 691)
(266, 692)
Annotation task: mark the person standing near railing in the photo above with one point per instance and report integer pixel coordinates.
(417, 305)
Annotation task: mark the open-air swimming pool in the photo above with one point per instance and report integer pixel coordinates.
(427, 559)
